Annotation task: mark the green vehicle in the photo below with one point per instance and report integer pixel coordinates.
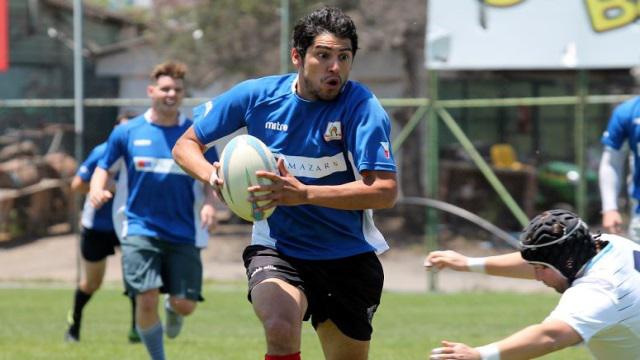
(558, 184)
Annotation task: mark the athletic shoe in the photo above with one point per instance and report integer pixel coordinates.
(72, 335)
(173, 320)
(133, 336)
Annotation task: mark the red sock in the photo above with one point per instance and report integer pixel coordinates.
(295, 356)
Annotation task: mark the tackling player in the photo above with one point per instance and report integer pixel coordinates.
(597, 275)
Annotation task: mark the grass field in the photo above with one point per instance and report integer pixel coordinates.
(407, 326)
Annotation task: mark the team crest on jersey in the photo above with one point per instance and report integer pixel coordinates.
(385, 148)
(636, 121)
(334, 131)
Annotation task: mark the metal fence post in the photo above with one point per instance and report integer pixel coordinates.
(582, 85)
(432, 176)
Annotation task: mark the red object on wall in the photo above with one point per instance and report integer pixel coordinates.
(4, 35)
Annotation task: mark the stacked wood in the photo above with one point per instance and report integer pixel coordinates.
(34, 191)
(25, 148)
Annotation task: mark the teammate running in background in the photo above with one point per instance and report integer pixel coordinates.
(623, 128)
(597, 275)
(315, 256)
(98, 240)
(168, 213)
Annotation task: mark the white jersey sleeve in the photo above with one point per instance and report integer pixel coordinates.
(587, 317)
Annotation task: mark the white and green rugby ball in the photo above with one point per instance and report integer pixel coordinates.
(240, 159)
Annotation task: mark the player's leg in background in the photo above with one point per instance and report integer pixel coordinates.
(176, 308)
(133, 335)
(92, 279)
(142, 267)
(183, 280)
(148, 323)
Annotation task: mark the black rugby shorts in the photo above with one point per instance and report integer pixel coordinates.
(345, 290)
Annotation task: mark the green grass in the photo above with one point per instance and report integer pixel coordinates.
(407, 326)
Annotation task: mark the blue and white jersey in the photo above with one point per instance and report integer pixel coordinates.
(624, 125)
(322, 143)
(101, 219)
(162, 201)
(603, 304)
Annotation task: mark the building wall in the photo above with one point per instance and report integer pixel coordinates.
(41, 67)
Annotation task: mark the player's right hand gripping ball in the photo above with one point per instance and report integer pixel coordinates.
(240, 159)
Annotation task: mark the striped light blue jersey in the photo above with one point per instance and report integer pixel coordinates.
(322, 143)
(624, 125)
(162, 201)
(100, 219)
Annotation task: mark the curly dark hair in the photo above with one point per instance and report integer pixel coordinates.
(324, 20)
(558, 238)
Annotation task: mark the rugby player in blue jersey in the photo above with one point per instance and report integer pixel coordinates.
(162, 234)
(315, 256)
(623, 128)
(98, 240)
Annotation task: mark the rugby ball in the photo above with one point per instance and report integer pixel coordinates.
(239, 161)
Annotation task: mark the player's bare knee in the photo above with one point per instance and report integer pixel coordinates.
(92, 286)
(280, 332)
(183, 307)
(89, 287)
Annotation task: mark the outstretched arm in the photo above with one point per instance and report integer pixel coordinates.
(509, 265)
(530, 342)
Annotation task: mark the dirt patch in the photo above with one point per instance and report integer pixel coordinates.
(54, 259)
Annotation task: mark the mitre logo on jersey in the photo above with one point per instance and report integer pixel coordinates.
(274, 125)
(385, 148)
(334, 131)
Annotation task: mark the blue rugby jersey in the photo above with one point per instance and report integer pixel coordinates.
(162, 201)
(100, 219)
(322, 143)
(624, 125)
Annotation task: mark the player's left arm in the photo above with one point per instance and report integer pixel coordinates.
(530, 342)
(375, 190)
